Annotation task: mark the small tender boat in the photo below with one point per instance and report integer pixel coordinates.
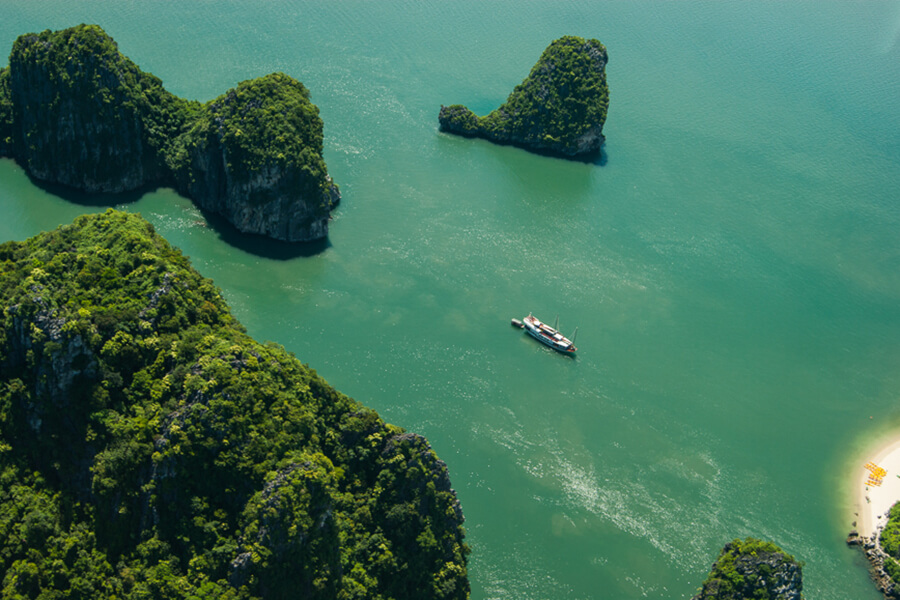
(549, 335)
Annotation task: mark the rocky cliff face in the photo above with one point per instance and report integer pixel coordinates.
(75, 118)
(878, 560)
(6, 122)
(141, 427)
(274, 209)
(751, 569)
(560, 108)
(260, 165)
(882, 549)
(75, 111)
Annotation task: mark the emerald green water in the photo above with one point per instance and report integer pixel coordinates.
(733, 267)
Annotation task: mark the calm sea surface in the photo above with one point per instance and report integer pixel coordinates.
(732, 266)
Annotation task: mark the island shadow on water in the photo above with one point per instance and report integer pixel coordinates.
(258, 245)
(598, 157)
(90, 199)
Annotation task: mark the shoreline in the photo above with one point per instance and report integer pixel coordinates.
(872, 502)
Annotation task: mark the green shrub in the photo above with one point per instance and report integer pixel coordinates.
(150, 449)
(890, 535)
(564, 97)
(75, 111)
(751, 568)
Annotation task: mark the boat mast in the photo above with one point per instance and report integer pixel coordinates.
(574, 335)
(556, 325)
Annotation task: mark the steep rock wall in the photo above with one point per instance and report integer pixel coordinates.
(753, 569)
(75, 111)
(255, 157)
(141, 427)
(560, 108)
(74, 118)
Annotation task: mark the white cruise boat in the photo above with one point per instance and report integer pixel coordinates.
(549, 335)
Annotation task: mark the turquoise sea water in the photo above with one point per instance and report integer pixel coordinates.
(733, 266)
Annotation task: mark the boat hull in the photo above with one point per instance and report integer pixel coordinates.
(548, 336)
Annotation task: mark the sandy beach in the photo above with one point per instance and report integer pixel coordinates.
(873, 501)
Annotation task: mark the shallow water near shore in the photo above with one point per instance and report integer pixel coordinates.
(733, 267)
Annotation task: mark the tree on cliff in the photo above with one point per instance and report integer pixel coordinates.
(75, 111)
(6, 118)
(150, 449)
(251, 151)
(751, 569)
(560, 107)
(889, 540)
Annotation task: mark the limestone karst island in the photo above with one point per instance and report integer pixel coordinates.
(200, 402)
(753, 569)
(559, 109)
(149, 448)
(75, 111)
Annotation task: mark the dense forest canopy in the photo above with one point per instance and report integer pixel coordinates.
(87, 116)
(263, 125)
(890, 543)
(75, 111)
(753, 569)
(150, 449)
(561, 106)
(6, 118)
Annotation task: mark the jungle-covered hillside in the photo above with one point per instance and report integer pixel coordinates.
(753, 569)
(75, 111)
(149, 448)
(560, 107)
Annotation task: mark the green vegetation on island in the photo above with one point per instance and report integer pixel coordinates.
(559, 108)
(150, 449)
(79, 113)
(6, 117)
(889, 540)
(275, 108)
(752, 569)
(86, 116)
